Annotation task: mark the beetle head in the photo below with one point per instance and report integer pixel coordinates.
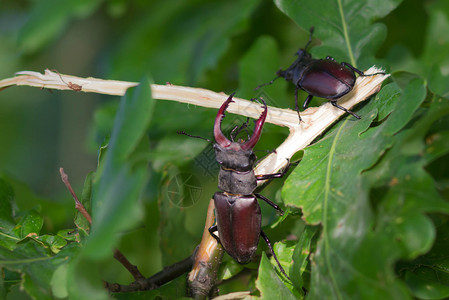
(303, 55)
(294, 72)
(236, 155)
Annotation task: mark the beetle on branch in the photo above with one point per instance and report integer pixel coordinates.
(238, 215)
(323, 78)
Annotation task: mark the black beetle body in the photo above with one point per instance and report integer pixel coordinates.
(236, 207)
(323, 78)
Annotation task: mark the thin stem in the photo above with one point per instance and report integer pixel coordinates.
(145, 284)
(80, 207)
(128, 265)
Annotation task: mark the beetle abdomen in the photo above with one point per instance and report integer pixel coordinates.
(327, 79)
(238, 224)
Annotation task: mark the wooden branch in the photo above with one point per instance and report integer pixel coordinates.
(316, 119)
(208, 258)
(146, 284)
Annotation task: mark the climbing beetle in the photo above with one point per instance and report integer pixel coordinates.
(323, 78)
(237, 210)
(238, 215)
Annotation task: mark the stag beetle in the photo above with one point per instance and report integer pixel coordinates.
(323, 78)
(238, 215)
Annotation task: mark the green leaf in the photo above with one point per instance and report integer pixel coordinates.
(331, 185)
(120, 180)
(427, 276)
(269, 284)
(425, 283)
(386, 99)
(284, 252)
(6, 197)
(434, 58)
(84, 280)
(343, 26)
(176, 190)
(35, 265)
(86, 197)
(59, 282)
(175, 289)
(229, 269)
(145, 295)
(301, 255)
(8, 238)
(438, 82)
(54, 242)
(30, 225)
(69, 235)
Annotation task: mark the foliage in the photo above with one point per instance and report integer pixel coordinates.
(367, 205)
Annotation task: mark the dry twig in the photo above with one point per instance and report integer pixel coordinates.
(80, 207)
(316, 119)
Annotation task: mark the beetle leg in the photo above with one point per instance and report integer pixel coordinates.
(265, 237)
(345, 64)
(334, 103)
(311, 30)
(307, 101)
(272, 204)
(296, 104)
(192, 136)
(274, 175)
(213, 229)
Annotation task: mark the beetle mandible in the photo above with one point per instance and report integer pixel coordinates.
(323, 78)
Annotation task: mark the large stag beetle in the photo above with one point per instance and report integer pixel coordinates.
(238, 215)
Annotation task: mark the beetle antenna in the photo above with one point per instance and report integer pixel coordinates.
(192, 136)
(268, 83)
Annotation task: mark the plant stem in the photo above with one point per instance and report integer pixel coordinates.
(145, 284)
(80, 207)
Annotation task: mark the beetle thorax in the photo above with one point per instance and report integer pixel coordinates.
(296, 69)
